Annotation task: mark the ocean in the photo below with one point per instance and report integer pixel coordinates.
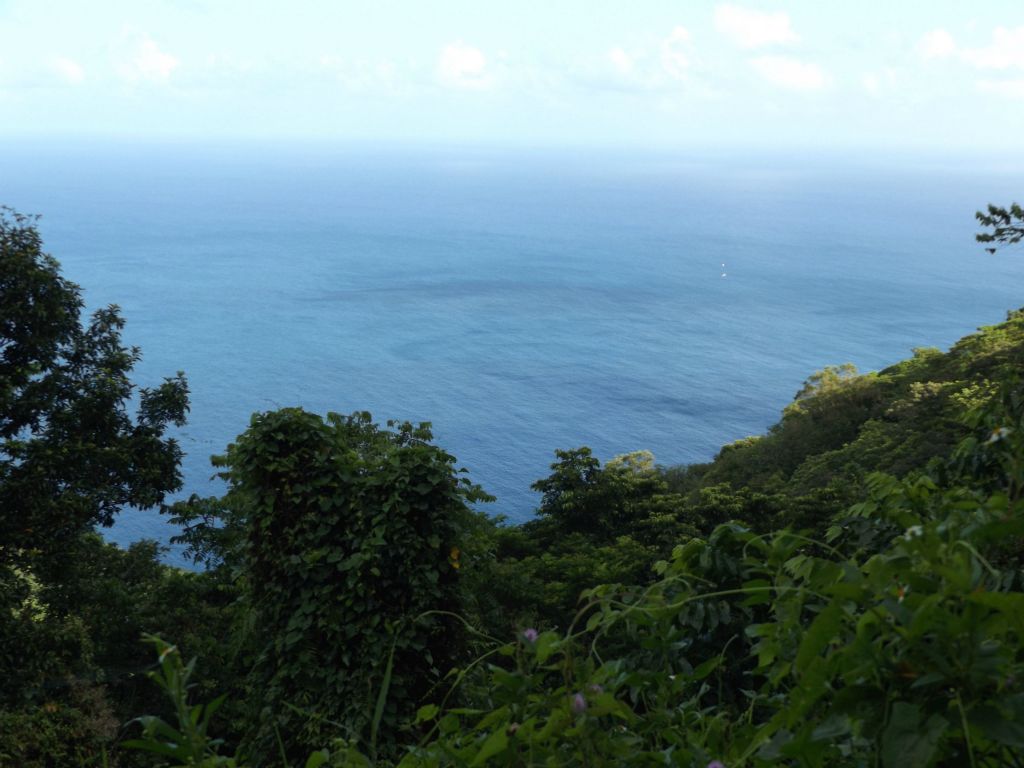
(520, 300)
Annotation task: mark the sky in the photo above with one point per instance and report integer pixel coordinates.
(893, 74)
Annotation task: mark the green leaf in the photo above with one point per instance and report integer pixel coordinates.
(833, 727)
(907, 742)
(428, 712)
(496, 743)
(706, 668)
(997, 728)
(817, 637)
(382, 697)
(547, 643)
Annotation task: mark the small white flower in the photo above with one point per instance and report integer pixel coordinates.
(999, 434)
(913, 532)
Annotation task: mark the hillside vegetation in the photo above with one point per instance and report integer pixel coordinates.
(844, 590)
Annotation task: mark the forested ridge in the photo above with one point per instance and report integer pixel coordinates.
(844, 590)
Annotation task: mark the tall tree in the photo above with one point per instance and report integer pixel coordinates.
(72, 455)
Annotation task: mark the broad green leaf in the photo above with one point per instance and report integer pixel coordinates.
(496, 743)
(997, 728)
(428, 712)
(907, 741)
(706, 668)
(547, 643)
(818, 635)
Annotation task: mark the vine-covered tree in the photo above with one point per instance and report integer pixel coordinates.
(71, 453)
(353, 538)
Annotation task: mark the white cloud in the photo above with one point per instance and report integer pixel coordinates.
(360, 74)
(68, 70)
(1006, 51)
(1011, 89)
(621, 61)
(881, 82)
(644, 69)
(937, 44)
(463, 66)
(792, 74)
(748, 28)
(142, 59)
(675, 53)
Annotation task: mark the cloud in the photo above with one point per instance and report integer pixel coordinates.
(1006, 51)
(883, 81)
(463, 66)
(1011, 89)
(675, 53)
(937, 44)
(359, 74)
(791, 74)
(621, 61)
(142, 59)
(68, 70)
(647, 69)
(748, 28)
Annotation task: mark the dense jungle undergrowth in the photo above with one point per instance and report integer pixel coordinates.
(844, 590)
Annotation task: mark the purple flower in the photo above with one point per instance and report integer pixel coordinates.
(716, 764)
(530, 635)
(579, 704)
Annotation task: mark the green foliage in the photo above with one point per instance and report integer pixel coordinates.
(212, 532)
(844, 426)
(627, 497)
(830, 379)
(785, 604)
(188, 743)
(898, 644)
(38, 650)
(352, 557)
(1006, 224)
(70, 454)
(121, 594)
(895, 640)
(615, 521)
(70, 640)
(74, 725)
(595, 524)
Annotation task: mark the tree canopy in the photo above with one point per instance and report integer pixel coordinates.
(71, 453)
(1006, 224)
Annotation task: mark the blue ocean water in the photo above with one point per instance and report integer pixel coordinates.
(522, 301)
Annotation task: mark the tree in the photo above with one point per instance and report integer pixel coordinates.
(1007, 225)
(353, 539)
(71, 455)
(629, 496)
